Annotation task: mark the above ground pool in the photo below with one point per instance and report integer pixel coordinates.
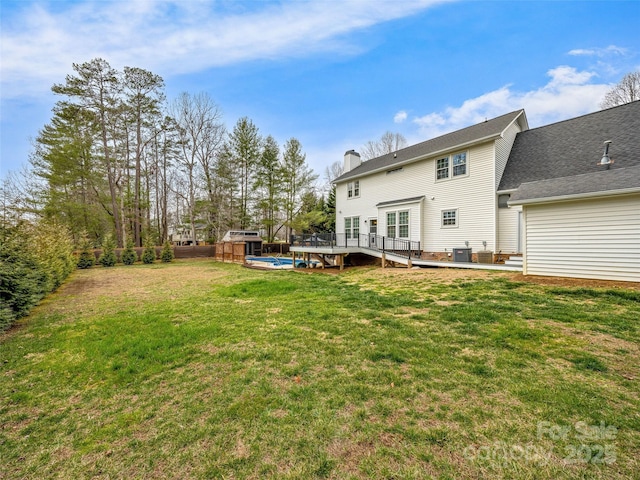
(276, 262)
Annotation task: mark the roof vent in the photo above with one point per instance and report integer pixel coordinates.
(605, 160)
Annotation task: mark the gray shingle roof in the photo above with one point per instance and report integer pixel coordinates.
(619, 180)
(482, 131)
(574, 147)
(402, 200)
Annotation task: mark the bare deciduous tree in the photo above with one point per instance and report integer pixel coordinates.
(628, 90)
(199, 133)
(388, 142)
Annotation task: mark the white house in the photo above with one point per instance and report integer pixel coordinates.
(441, 193)
(566, 196)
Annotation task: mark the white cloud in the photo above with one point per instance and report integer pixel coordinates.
(599, 52)
(567, 94)
(400, 117)
(39, 44)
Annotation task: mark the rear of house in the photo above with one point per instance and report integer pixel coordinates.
(440, 193)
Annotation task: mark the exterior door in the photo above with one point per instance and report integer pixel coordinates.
(373, 231)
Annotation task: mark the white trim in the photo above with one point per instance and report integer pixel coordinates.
(577, 196)
(457, 218)
(428, 156)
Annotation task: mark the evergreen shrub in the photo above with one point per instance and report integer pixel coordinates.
(167, 252)
(129, 255)
(149, 253)
(86, 259)
(35, 258)
(108, 257)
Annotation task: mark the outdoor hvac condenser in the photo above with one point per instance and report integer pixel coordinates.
(462, 255)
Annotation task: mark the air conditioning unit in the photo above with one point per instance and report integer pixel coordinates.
(462, 255)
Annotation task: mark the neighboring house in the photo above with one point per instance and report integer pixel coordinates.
(581, 214)
(441, 193)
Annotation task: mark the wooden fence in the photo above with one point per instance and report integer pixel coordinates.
(230, 252)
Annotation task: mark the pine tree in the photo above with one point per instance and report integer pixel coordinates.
(108, 257)
(243, 149)
(129, 255)
(269, 176)
(87, 259)
(298, 180)
(149, 253)
(167, 252)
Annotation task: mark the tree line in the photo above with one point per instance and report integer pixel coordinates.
(118, 159)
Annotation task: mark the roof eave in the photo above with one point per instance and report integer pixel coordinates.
(471, 143)
(576, 196)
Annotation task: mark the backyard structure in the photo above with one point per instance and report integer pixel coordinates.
(505, 190)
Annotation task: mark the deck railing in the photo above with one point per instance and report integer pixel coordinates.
(397, 246)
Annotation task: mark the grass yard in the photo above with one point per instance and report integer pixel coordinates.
(197, 369)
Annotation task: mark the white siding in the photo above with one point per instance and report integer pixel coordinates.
(415, 213)
(503, 149)
(596, 238)
(473, 195)
(508, 229)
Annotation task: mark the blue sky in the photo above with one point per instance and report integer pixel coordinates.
(333, 74)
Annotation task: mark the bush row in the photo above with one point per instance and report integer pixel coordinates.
(110, 256)
(35, 258)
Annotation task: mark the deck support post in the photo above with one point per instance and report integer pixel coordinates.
(409, 263)
(384, 260)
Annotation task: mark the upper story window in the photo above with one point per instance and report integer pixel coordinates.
(459, 161)
(353, 189)
(442, 168)
(451, 166)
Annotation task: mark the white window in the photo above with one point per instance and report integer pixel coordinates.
(452, 166)
(352, 227)
(398, 224)
(459, 161)
(353, 189)
(403, 224)
(450, 218)
(442, 168)
(391, 224)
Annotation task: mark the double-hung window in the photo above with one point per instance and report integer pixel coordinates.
(451, 166)
(403, 224)
(353, 189)
(352, 227)
(391, 224)
(459, 161)
(398, 224)
(442, 168)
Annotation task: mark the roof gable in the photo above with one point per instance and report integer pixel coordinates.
(575, 146)
(484, 131)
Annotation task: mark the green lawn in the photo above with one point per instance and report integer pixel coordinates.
(197, 369)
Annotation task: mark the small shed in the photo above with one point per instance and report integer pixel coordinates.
(251, 238)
